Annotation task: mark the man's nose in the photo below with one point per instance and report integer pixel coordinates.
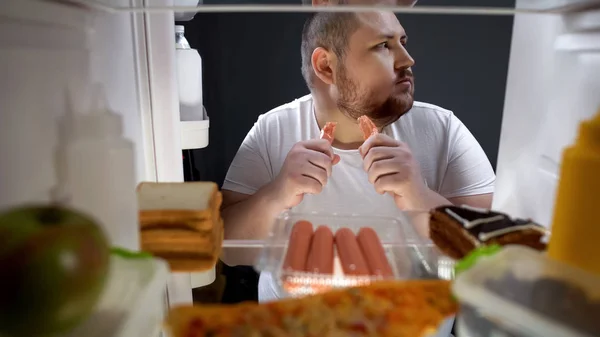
(403, 58)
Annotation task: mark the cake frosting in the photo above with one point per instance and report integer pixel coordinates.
(486, 225)
(457, 230)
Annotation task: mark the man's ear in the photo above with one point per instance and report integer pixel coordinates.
(323, 64)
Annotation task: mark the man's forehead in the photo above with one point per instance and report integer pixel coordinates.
(380, 23)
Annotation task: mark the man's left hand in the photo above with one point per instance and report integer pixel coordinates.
(392, 169)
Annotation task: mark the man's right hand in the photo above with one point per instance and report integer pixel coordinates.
(306, 169)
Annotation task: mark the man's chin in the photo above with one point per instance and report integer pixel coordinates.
(391, 111)
(398, 106)
(404, 102)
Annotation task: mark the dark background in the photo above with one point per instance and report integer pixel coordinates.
(251, 64)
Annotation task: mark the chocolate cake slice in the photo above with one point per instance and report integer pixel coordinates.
(456, 231)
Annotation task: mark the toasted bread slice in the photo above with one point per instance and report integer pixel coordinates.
(184, 220)
(185, 250)
(178, 242)
(198, 265)
(195, 205)
(181, 222)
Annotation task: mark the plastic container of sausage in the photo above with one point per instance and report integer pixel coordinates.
(307, 253)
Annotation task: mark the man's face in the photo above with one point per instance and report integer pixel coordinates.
(375, 78)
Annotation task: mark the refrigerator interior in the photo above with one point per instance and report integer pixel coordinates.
(128, 46)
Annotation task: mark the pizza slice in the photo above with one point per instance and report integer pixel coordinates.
(385, 308)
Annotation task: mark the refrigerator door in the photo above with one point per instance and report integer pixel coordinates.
(46, 47)
(39, 56)
(552, 86)
(166, 126)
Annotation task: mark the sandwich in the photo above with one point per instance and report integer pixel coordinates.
(181, 223)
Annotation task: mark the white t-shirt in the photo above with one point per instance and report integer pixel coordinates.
(452, 162)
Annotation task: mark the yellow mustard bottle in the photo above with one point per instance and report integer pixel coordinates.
(575, 238)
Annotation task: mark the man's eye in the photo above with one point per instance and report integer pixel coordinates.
(383, 45)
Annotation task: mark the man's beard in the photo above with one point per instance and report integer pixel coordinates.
(354, 103)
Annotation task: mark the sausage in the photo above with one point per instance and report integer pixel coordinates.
(320, 256)
(298, 246)
(351, 257)
(328, 131)
(367, 126)
(374, 253)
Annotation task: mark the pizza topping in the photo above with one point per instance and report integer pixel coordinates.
(387, 308)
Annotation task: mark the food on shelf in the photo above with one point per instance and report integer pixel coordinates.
(181, 223)
(457, 230)
(321, 253)
(576, 225)
(313, 251)
(351, 257)
(372, 249)
(519, 291)
(298, 247)
(367, 127)
(193, 205)
(384, 308)
(389, 247)
(328, 131)
(318, 260)
(54, 261)
(185, 250)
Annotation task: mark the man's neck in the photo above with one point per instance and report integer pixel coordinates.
(347, 133)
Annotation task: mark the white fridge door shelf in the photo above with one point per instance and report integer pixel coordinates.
(194, 134)
(133, 303)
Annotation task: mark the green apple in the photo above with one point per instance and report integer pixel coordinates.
(53, 267)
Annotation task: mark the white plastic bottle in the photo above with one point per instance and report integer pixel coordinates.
(193, 117)
(96, 168)
(189, 77)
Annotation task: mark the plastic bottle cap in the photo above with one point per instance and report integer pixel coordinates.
(180, 41)
(596, 119)
(589, 133)
(99, 122)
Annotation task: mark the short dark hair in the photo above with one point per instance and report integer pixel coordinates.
(331, 31)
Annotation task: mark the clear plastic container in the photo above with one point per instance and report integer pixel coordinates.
(409, 255)
(521, 292)
(133, 303)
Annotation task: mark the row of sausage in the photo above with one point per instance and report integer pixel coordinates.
(312, 251)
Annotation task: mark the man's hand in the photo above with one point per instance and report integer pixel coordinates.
(392, 169)
(306, 169)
